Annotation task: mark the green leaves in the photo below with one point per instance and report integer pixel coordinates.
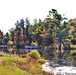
(34, 54)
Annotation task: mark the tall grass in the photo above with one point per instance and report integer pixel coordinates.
(15, 65)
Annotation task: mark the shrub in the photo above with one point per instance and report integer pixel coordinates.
(41, 61)
(34, 54)
(1, 55)
(23, 55)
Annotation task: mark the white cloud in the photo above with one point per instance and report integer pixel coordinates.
(12, 10)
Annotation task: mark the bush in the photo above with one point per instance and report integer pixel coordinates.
(1, 55)
(34, 54)
(23, 55)
(41, 61)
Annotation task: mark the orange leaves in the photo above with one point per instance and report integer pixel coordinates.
(35, 43)
(43, 35)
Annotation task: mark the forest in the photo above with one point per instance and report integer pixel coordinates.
(54, 29)
(55, 35)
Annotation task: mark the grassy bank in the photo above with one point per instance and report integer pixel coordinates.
(14, 65)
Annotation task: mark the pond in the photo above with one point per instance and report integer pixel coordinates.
(63, 70)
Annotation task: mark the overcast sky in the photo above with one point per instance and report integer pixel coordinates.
(13, 10)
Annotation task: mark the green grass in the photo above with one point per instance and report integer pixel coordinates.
(14, 65)
(9, 70)
(18, 66)
(8, 66)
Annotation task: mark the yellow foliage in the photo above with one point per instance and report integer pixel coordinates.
(10, 43)
(34, 54)
(72, 51)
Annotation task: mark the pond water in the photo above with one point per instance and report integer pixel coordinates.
(63, 70)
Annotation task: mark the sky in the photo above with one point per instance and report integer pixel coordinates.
(13, 10)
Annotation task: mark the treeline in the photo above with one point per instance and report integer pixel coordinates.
(44, 33)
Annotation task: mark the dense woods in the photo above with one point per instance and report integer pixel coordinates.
(55, 36)
(50, 31)
(55, 29)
